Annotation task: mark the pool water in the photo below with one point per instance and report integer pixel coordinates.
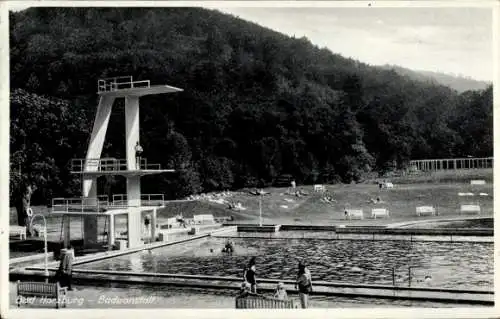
(464, 265)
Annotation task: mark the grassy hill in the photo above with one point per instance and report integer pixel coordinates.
(439, 190)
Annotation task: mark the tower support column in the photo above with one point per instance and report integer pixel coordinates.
(97, 140)
(111, 232)
(90, 224)
(66, 230)
(134, 220)
(133, 182)
(131, 129)
(153, 225)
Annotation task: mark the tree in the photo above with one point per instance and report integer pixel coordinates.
(256, 104)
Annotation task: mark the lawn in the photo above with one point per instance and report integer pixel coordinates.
(401, 201)
(439, 189)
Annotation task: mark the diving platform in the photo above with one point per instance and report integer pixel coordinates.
(111, 166)
(90, 206)
(102, 206)
(123, 86)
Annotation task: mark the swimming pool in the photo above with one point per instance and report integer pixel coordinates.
(464, 265)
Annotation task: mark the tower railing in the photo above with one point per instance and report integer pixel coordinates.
(80, 165)
(100, 204)
(146, 199)
(119, 83)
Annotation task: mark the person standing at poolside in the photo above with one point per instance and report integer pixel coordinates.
(304, 283)
(147, 224)
(138, 154)
(65, 272)
(249, 275)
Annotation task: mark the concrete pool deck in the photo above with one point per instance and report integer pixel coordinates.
(325, 289)
(119, 296)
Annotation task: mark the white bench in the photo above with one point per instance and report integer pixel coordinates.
(354, 213)
(18, 231)
(426, 210)
(319, 188)
(478, 182)
(465, 194)
(383, 212)
(204, 219)
(470, 209)
(388, 185)
(41, 289)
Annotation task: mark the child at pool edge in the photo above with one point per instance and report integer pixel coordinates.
(281, 292)
(245, 289)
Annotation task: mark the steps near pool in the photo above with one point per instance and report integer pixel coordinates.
(258, 228)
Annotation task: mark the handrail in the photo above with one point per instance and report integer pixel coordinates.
(146, 199)
(82, 204)
(118, 83)
(107, 164)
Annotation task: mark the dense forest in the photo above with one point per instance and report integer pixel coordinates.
(257, 105)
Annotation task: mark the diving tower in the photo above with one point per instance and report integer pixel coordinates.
(90, 206)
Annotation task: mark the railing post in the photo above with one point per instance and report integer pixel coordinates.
(409, 276)
(393, 276)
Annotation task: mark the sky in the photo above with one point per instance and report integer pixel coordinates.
(455, 41)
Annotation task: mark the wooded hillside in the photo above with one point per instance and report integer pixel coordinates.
(256, 104)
